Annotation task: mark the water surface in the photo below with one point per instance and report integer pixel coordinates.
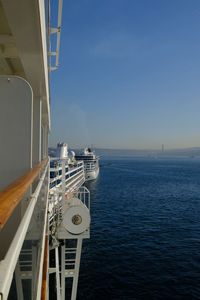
(145, 231)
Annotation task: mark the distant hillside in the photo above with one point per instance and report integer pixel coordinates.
(195, 151)
(186, 152)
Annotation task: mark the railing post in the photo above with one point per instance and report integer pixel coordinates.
(63, 182)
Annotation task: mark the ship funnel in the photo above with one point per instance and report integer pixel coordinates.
(62, 150)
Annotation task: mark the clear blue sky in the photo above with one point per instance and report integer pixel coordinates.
(129, 74)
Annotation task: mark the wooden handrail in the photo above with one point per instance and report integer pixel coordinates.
(44, 273)
(11, 196)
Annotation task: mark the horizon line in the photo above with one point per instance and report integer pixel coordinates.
(135, 149)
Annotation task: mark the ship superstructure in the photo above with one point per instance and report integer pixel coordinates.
(91, 163)
(69, 218)
(38, 214)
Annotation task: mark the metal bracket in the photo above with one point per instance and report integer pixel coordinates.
(56, 30)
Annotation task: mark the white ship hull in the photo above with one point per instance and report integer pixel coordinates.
(91, 175)
(91, 163)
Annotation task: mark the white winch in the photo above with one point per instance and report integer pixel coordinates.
(76, 216)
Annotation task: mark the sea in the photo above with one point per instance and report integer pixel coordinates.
(145, 231)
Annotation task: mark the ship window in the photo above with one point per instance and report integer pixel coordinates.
(52, 184)
(52, 174)
(53, 164)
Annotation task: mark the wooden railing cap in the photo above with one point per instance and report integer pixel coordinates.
(12, 195)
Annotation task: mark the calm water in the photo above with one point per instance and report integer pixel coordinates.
(145, 231)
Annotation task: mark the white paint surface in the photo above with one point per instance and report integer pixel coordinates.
(16, 101)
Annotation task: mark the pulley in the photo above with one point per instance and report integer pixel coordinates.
(76, 216)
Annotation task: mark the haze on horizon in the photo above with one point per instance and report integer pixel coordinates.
(129, 75)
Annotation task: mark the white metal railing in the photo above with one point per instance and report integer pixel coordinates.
(84, 195)
(8, 264)
(73, 179)
(65, 186)
(59, 166)
(67, 173)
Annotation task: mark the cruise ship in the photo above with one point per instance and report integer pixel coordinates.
(91, 163)
(44, 209)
